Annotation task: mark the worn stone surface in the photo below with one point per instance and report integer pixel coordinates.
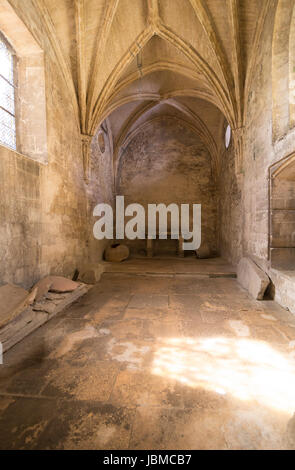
(252, 278)
(210, 370)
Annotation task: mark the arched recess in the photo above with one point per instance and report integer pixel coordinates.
(199, 92)
(281, 67)
(132, 135)
(195, 122)
(165, 161)
(222, 94)
(282, 214)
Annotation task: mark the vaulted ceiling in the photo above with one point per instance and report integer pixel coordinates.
(122, 58)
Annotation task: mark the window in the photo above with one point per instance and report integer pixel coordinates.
(227, 137)
(7, 95)
(22, 89)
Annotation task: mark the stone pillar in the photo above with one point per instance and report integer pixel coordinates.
(86, 145)
(238, 138)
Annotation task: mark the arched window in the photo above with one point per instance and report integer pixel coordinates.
(7, 95)
(227, 136)
(292, 71)
(22, 88)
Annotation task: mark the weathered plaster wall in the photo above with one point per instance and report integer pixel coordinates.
(45, 210)
(167, 163)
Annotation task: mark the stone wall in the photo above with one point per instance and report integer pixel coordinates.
(230, 215)
(100, 190)
(268, 140)
(45, 209)
(167, 163)
(262, 147)
(20, 218)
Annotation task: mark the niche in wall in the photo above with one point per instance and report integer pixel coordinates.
(282, 215)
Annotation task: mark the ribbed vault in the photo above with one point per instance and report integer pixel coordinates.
(115, 52)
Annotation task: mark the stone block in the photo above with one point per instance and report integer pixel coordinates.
(91, 273)
(204, 252)
(117, 253)
(252, 278)
(54, 284)
(13, 301)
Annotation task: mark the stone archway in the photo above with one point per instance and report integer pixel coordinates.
(282, 215)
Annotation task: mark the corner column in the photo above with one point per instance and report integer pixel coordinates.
(86, 145)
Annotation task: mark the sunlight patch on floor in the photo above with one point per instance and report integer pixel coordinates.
(243, 368)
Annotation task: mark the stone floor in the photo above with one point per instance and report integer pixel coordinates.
(161, 354)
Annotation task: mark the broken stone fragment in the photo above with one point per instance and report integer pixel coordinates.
(91, 273)
(33, 317)
(252, 278)
(54, 284)
(204, 252)
(117, 253)
(47, 307)
(13, 301)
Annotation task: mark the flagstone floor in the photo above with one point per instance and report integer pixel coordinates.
(161, 354)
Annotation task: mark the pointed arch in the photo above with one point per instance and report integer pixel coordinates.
(198, 124)
(99, 53)
(202, 13)
(200, 94)
(127, 58)
(60, 56)
(146, 124)
(132, 120)
(159, 66)
(205, 134)
(200, 64)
